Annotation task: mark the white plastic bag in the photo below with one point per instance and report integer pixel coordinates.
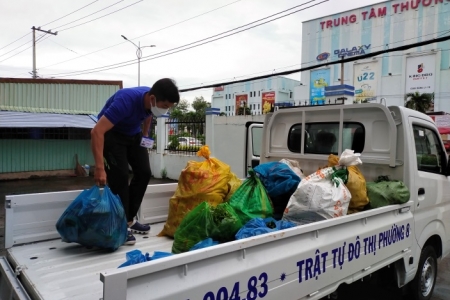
(318, 197)
(322, 195)
(350, 158)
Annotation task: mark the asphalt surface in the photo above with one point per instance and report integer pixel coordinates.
(378, 287)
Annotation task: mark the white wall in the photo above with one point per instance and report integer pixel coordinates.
(230, 140)
(173, 163)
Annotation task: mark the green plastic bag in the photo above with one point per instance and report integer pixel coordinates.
(251, 200)
(221, 223)
(386, 192)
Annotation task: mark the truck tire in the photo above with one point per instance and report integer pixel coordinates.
(421, 288)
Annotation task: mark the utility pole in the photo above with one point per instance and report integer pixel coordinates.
(34, 73)
(138, 55)
(342, 69)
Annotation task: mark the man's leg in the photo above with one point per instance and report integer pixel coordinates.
(139, 162)
(116, 167)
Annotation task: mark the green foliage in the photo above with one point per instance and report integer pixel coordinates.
(419, 102)
(240, 111)
(173, 142)
(164, 173)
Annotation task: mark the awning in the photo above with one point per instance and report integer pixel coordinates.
(13, 119)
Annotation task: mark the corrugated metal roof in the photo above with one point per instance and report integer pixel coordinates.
(55, 95)
(12, 119)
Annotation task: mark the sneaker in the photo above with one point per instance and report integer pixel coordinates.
(131, 240)
(137, 227)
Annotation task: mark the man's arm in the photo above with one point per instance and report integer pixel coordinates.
(146, 127)
(97, 140)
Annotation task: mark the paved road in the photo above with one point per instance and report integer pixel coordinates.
(375, 289)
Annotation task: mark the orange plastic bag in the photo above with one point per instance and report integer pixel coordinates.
(199, 181)
(356, 184)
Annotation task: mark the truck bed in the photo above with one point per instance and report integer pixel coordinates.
(52, 269)
(62, 270)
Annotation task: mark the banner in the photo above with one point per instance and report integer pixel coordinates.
(365, 80)
(267, 100)
(420, 74)
(240, 101)
(319, 80)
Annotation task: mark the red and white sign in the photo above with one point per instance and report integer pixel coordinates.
(420, 74)
(397, 8)
(219, 88)
(241, 100)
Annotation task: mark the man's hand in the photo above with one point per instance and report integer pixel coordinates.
(100, 176)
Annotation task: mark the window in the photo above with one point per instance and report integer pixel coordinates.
(322, 138)
(257, 133)
(290, 95)
(429, 153)
(259, 93)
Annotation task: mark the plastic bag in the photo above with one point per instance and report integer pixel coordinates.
(356, 183)
(220, 223)
(209, 242)
(233, 185)
(94, 219)
(386, 192)
(322, 195)
(278, 178)
(280, 182)
(251, 200)
(259, 226)
(199, 181)
(295, 166)
(136, 257)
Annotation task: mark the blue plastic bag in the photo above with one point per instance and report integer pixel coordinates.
(204, 244)
(94, 219)
(135, 257)
(278, 178)
(259, 226)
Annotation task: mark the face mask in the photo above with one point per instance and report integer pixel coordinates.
(158, 112)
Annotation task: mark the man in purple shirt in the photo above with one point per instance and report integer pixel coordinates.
(117, 141)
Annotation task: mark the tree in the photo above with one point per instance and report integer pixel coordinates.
(179, 112)
(240, 111)
(419, 102)
(200, 105)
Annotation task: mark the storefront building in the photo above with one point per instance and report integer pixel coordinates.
(391, 76)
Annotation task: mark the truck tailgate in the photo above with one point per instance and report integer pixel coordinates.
(58, 270)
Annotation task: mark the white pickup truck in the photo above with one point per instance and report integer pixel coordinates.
(306, 262)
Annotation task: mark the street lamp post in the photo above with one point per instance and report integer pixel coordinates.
(139, 56)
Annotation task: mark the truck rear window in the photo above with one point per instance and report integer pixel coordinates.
(322, 138)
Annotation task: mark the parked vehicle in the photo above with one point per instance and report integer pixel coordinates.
(305, 262)
(188, 141)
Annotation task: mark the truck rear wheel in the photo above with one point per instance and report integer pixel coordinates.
(423, 284)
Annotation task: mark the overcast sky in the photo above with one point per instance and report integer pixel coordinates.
(276, 45)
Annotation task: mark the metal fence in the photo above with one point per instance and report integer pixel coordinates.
(185, 136)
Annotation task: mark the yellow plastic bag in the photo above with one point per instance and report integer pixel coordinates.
(356, 185)
(199, 181)
(233, 185)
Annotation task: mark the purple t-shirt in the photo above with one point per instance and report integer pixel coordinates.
(125, 109)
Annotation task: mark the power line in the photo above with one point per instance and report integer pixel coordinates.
(71, 22)
(38, 40)
(143, 35)
(161, 54)
(345, 60)
(102, 16)
(70, 13)
(15, 41)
